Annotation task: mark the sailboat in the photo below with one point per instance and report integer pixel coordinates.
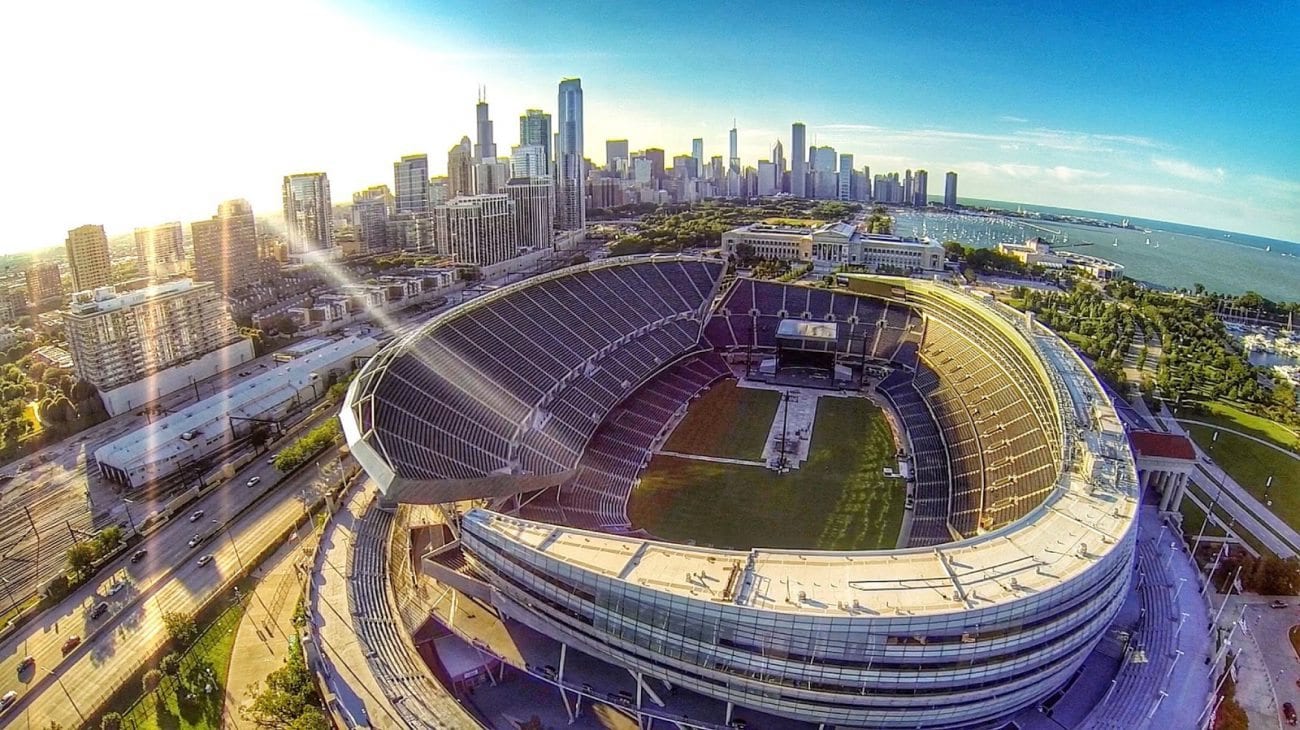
(1116, 243)
(1148, 242)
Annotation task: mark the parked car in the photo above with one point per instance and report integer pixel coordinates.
(254, 481)
(27, 663)
(138, 555)
(117, 586)
(205, 560)
(1277, 603)
(196, 515)
(100, 609)
(71, 643)
(1288, 711)
(909, 503)
(194, 541)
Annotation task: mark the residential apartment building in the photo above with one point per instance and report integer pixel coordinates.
(88, 259)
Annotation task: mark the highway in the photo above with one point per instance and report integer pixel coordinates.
(167, 579)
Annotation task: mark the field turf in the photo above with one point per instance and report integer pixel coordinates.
(727, 421)
(838, 500)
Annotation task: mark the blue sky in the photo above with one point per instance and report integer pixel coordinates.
(1184, 113)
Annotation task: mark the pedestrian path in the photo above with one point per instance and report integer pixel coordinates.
(262, 642)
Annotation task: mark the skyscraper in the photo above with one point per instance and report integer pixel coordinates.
(225, 247)
(535, 131)
(307, 212)
(822, 166)
(617, 157)
(528, 160)
(484, 147)
(798, 168)
(160, 250)
(697, 151)
(571, 212)
(778, 161)
(534, 210)
(477, 229)
(370, 208)
(43, 281)
(460, 169)
(845, 178)
(657, 160)
(950, 190)
(734, 148)
(88, 258)
(768, 179)
(920, 189)
(411, 181)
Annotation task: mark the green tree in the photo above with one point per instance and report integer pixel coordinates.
(109, 538)
(151, 680)
(181, 628)
(170, 665)
(288, 694)
(110, 721)
(81, 556)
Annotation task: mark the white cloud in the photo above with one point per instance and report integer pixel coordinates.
(1188, 171)
(1013, 119)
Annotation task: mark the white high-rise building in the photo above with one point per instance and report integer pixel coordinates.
(778, 159)
(534, 210)
(798, 166)
(734, 148)
(160, 250)
(767, 178)
(535, 131)
(570, 194)
(120, 338)
(411, 183)
(477, 229)
(528, 160)
(307, 212)
(846, 177)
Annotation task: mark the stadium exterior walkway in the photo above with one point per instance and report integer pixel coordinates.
(262, 641)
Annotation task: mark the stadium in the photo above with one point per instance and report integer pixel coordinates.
(512, 434)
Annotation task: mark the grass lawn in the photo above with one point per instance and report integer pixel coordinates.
(1229, 416)
(1251, 464)
(728, 421)
(838, 500)
(185, 705)
(1194, 518)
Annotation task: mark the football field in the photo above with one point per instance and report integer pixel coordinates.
(838, 500)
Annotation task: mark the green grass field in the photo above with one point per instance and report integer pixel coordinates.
(728, 421)
(1251, 464)
(838, 500)
(1232, 417)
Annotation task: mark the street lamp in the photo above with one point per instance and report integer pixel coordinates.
(73, 702)
(226, 529)
(129, 520)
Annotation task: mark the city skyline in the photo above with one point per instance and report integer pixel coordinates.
(1131, 153)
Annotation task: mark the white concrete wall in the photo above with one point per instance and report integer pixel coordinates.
(120, 400)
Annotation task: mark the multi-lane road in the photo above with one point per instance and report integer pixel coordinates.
(168, 578)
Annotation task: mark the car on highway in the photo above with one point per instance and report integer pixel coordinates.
(28, 662)
(194, 541)
(117, 586)
(205, 560)
(100, 609)
(1288, 711)
(254, 481)
(72, 642)
(1277, 603)
(196, 515)
(8, 700)
(272, 459)
(138, 555)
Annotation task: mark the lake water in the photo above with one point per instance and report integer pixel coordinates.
(1170, 255)
(1269, 359)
